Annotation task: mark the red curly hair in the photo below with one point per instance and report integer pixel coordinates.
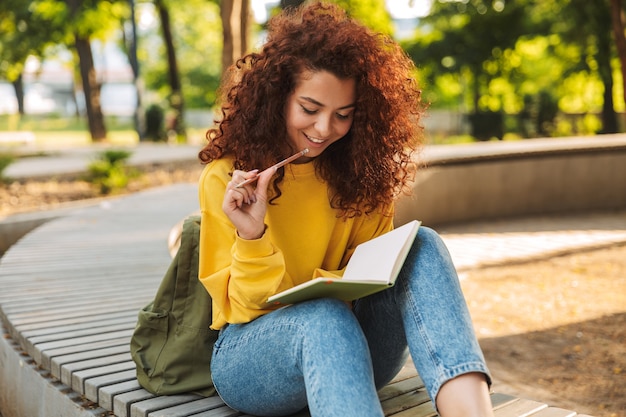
(368, 168)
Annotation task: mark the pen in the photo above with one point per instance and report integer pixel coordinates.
(275, 167)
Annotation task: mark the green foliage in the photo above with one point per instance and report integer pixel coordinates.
(90, 19)
(486, 56)
(109, 171)
(5, 160)
(155, 123)
(372, 13)
(197, 31)
(472, 55)
(23, 32)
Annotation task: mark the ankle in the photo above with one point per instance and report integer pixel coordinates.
(465, 396)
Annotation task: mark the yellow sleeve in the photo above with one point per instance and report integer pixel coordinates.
(239, 274)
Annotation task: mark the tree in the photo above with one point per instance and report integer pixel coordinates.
(76, 23)
(131, 46)
(588, 26)
(236, 30)
(372, 13)
(460, 42)
(176, 99)
(196, 32)
(483, 46)
(23, 33)
(617, 24)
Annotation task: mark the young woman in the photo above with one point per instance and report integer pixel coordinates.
(325, 83)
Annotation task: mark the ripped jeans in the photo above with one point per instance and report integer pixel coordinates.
(323, 355)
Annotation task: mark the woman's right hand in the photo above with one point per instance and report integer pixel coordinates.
(246, 206)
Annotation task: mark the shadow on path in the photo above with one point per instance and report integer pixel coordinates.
(579, 366)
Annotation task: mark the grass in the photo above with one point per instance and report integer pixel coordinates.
(53, 131)
(51, 123)
(460, 139)
(56, 131)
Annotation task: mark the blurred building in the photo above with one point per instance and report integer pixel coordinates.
(49, 86)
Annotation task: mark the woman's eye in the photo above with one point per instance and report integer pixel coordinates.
(344, 116)
(308, 111)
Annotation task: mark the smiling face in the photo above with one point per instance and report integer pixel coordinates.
(319, 111)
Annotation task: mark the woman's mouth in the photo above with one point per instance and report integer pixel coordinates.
(314, 140)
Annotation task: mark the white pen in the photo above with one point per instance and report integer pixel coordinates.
(275, 167)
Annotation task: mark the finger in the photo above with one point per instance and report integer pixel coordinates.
(245, 179)
(263, 182)
(246, 192)
(234, 199)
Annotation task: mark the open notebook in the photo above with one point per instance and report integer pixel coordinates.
(374, 266)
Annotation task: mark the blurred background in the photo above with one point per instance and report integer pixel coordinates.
(134, 70)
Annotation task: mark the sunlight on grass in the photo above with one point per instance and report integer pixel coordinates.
(63, 132)
(69, 139)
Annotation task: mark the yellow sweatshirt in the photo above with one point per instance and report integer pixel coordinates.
(304, 239)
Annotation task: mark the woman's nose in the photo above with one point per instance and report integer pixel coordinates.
(323, 126)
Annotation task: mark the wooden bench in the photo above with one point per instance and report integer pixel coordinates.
(71, 290)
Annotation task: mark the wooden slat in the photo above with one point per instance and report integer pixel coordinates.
(107, 394)
(211, 406)
(123, 402)
(85, 340)
(406, 401)
(81, 332)
(422, 410)
(48, 355)
(33, 307)
(69, 314)
(69, 370)
(218, 412)
(401, 387)
(499, 400)
(79, 377)
(143, 408)
(67, 361)
(76, 320)
(520, 408)
(118, 382)
(554, 412)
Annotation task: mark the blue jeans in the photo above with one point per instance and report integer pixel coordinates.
(333, 359)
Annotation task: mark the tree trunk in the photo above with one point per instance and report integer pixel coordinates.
(177, 123)
(139, 118)
(91, 89)
(235, 16)
(475, 90)
(18, 87)
(620, 40)
(603, 57)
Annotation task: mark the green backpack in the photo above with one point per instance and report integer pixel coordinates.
(172, 343)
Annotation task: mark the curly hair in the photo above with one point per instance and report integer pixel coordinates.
(369, 167)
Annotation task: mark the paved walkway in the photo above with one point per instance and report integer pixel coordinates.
(76, 160)
(472, 244)
(485, 243)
